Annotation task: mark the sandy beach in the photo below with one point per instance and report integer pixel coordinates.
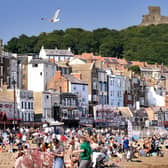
(7, 161)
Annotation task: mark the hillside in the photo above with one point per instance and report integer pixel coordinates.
(149, 43)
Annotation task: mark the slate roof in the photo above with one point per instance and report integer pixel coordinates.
(58, 52)
(72, 79)
(40, 61)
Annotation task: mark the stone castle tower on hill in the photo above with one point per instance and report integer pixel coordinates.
(154, 17)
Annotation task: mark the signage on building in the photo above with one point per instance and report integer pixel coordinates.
(8, 109)
(5, 105)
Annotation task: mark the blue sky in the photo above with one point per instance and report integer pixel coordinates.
(24, 16)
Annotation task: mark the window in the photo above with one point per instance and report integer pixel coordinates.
(94, 97)
(77, 93)
(22, 116)
(112, 82)
(28, 105)
(129, 97)
(101, 86)
(31, 105)
(1, 59)
(105, 86)
(100, 100)
(28, 116)
(63, 102)
(119, 93)
(22, 105)
(25, 105)
(83, 87)
(69, 102)
(34, 65)
(1, 71)
(1, 80)
(119, 82)
(41, 73)
(94, 85)
(111, 93)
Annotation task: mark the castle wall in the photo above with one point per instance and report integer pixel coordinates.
(154, 17)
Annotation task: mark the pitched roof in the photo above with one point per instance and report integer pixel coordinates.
(77, 59)
(87, 55)
(57, 52)
(72, 79)
(86, 66)
(138, 63)
(40, 61)
(122, 61)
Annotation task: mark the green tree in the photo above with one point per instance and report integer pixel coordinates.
(135, 69)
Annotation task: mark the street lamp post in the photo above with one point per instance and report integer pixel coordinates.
(14, 98)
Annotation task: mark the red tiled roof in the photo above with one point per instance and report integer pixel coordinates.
(122, 61)
(87, 55)
(138, 63)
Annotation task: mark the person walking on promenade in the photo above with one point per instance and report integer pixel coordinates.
(58, 153)
(85, 153)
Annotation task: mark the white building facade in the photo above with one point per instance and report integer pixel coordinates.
(153, 98)
(39, 73)
(25, 104)
(56, 55)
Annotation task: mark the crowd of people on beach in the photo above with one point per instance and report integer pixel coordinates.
(76, 147)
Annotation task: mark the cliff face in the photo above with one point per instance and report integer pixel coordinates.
(154, 17)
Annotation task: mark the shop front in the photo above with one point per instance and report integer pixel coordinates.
(8, 115)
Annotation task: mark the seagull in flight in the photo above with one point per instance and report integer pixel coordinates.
(55, 18)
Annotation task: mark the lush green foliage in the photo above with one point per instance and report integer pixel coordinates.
(148, 43)
(135, 69)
